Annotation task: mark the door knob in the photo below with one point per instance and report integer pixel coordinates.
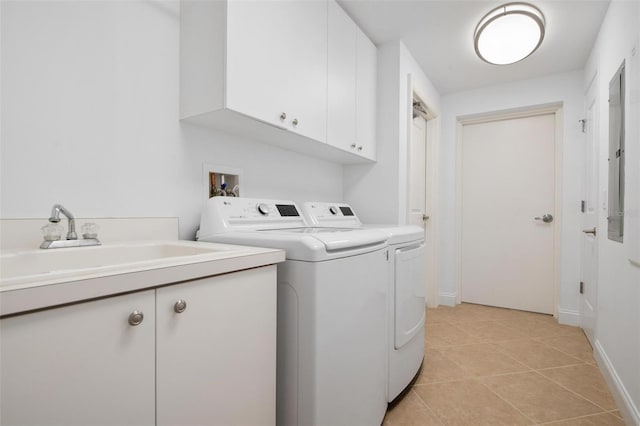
(546, 218)
(591, 231)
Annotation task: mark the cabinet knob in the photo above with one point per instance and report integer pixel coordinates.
(180, 306)
(295, 122)
(360, 148)
(353, 146)
(136, 317)
(283, 116)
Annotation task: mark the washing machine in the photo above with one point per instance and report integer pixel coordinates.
(332, 309)
(407, 281)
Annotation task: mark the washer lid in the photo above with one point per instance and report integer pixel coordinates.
(308, 245)
(279, 224)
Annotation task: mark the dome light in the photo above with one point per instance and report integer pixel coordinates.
(509, 33)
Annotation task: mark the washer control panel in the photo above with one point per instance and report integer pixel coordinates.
(224, 214)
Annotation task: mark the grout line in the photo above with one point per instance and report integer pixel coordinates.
(510, 404)
(574, 418)
(426, 406)
(604, 410)
(619, 415)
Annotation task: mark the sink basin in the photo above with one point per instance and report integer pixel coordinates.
(36, 265)
(39, 279)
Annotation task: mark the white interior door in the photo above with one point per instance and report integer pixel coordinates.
(417, 171)
(508, 180)
(589, 243)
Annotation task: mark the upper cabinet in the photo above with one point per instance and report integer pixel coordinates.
(366, 88)
(341, 84)
(283, 72)
(351, 86)
(276, 63)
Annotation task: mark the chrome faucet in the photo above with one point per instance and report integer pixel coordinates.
(55, 218)
(54, 241)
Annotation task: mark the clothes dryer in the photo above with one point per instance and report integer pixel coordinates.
(332, 309)
(407, 281)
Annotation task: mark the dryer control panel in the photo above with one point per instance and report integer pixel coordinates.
(330, 214)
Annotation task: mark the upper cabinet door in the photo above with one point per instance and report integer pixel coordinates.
(366, 85)
(277, 63)
(341, 94)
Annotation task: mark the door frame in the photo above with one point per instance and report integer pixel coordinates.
(591, 97)
(531, 111)
(431, 164)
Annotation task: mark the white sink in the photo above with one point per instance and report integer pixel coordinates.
(42, 278)
(36, 265)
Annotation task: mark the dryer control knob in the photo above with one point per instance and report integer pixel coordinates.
(333, 210)
(263, 208)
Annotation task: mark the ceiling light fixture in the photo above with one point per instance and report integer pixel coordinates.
(509, 33)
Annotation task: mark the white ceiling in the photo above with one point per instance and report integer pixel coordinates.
(439, 34)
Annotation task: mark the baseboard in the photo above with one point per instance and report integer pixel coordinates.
(569, 317)
(447, 299)
(627, 408)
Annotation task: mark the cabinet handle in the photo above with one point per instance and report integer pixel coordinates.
(283, 116)
(295, 122)
(360, 148)
(180, 306)
(135, 318)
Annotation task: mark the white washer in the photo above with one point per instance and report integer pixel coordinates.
(407, 280)
(332, 310)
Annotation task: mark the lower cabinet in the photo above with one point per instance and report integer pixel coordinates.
(198, 352)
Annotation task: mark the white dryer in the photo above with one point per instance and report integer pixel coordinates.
(332, 310)
(407, 281)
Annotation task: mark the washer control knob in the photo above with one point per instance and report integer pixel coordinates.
(333, 210)
(263, 208)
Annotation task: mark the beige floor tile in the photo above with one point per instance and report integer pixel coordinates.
(541, 327)
(439, 314)
(491, 313)
(483, 359)
(468, 402)
(438, 368)
(492, 331)
(446, 334)
(586, 381)
(410, 411)
(536, 355)
(616, 413)
(539, 398)
(605, 419)
(575, 345)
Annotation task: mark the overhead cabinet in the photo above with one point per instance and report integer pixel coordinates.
(276, 71)
(351, 87)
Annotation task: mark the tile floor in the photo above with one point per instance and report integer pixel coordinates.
(493, 366)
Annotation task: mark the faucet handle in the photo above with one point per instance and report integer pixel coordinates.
(90, 230)
(52, 231)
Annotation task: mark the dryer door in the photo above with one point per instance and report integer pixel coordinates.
(410, 283)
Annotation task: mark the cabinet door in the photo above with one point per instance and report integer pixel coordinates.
(82, 364)
(341, 111)
(366, 84)
(277, 63)
(216, 360)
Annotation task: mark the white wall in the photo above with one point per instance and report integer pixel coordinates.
(383, 185)
(90, 120)
(565, 88)
(617, 343)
